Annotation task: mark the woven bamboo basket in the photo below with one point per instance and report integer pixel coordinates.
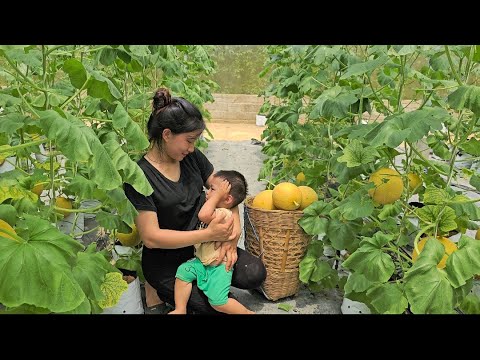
(276, 237)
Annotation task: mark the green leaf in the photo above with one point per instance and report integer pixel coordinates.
(475, 181)
(470, 305)
(439, 147)
(306, 267)
(464, 263)
(435, 196)
(471, 147)
(111, 221)
(37, 271)
(113, 287)
(463, 206)
(407, 49)
(79, 143)
(100, 87)
(83, 188)
(427, 289)
(16, 193)
(139, 50)
(132, 131)
(7, 100)
(107, 56)
(467, 96)
(365, 67)
(83, 309)
(10, 123)
(411, 127)
(355, 154)
(388, 299)
(333, 102)
(314, 225)
(90, 271)
(322, 270)
(8, 213)
(129, 169)
(342, 234)
(357, 282)
(370, 260)
(390, 210)
(444, 216)
(357, 205)
(285, 307)
(291, 147)
(314, 219)
(76, 72)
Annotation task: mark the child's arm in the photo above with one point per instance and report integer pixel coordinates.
(206, 213)
(216, 195)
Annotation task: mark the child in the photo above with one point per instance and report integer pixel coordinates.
(228, 189)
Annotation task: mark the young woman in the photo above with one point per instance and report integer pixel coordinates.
(167, 218)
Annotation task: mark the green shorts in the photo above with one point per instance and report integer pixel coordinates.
(214, 281)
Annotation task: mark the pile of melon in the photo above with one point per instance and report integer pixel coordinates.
(285, 196)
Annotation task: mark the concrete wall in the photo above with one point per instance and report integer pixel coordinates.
(234, 108)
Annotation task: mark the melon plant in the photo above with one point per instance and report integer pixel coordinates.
(350, 120)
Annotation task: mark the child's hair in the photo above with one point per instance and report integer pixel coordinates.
(239, 185)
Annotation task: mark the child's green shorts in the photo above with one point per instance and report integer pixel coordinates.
(214, 281)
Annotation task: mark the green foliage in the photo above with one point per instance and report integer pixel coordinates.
(85, 108)
(112, 288)
(342, 112)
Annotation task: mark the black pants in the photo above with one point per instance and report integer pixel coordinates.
(160, 265)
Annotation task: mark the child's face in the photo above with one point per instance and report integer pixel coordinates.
(218, 185)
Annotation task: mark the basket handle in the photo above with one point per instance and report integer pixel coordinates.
(247, 212)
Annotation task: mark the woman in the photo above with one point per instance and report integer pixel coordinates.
(167, 218)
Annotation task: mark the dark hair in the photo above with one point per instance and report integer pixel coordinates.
(239, 188)
(174, 113)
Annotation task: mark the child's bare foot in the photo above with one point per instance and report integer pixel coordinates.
(178, 312)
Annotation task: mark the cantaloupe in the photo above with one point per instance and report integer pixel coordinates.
(388, 186)
(129, 239)
(448, 244)
(287, 196)
(264, 200)
(63, 203)
(308, 196)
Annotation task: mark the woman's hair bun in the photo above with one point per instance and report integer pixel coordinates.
(161, 99)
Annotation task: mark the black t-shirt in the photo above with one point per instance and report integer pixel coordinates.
(176, 203)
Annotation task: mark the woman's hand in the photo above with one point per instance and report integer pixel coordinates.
(227, 249)
(220, 230)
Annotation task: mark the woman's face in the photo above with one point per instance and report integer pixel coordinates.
(180, 145)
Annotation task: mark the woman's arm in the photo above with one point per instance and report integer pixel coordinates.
(154, 237)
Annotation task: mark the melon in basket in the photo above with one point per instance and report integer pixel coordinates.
(287, 196)
(309, 196)
(264, 200)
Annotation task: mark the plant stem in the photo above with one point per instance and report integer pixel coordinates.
(420, 233)
(455, 74)
(428, 161)
(84, 210)
(86, 232)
